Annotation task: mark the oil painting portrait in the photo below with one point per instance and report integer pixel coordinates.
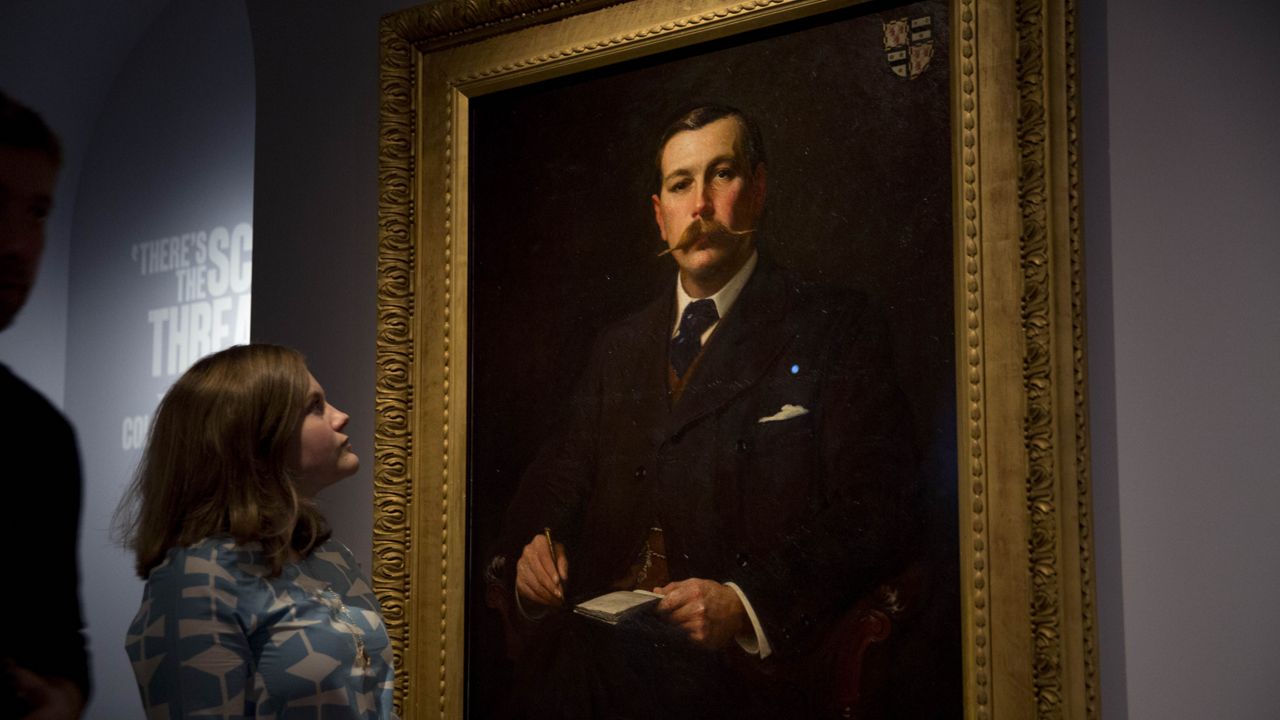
(731, 361)
(799, 461)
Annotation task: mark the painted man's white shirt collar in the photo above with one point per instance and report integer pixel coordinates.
(724, 298)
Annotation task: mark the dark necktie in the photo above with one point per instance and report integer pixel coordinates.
(698, 316)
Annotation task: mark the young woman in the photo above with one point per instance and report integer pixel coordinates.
(250, 608)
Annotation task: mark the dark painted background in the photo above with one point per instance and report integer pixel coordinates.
(563, 242)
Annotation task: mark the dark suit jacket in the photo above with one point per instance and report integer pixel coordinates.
(804, 514)
(43, 506)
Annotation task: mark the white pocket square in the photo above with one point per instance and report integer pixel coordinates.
(786, 413)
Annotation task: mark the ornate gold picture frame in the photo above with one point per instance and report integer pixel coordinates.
(1025, 592)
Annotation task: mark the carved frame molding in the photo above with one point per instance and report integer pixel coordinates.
(1027, 592)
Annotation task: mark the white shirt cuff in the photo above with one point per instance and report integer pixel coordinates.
(532, 617)
(752, 645)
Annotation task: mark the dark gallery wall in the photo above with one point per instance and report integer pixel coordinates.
(1181, 163)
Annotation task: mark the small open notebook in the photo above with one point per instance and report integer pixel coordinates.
(613, 607)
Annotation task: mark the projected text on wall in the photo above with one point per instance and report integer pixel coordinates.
(212, 272)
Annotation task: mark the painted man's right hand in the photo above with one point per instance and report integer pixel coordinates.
(538, 577)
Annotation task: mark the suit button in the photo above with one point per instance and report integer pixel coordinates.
(675, 439)
(742, 559)
(640, 473)
(741, 445)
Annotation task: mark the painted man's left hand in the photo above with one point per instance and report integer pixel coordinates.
(710, 613)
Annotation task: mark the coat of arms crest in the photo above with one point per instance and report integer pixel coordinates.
(908, 45)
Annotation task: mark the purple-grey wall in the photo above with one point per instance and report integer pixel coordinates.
(1182, 167)
(169, 164)
(154, 105)
(315, 214)
(67, 89)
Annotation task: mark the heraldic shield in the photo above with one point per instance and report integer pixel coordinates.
(908, 45)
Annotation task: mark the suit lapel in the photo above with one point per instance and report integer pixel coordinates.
(643, 381)
(741, 349)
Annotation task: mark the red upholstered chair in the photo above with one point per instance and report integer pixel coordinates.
(847, 668)
(499, 597)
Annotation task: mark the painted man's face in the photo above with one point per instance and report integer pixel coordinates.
(709, 205)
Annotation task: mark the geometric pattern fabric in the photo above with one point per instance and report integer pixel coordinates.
(216, 637)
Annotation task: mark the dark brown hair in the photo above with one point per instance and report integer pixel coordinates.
(703, 115)
(220, 460)
(21, 127)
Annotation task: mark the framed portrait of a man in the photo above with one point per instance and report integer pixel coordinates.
(730, 362)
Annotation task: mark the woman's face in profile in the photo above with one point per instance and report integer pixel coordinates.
(325, 454)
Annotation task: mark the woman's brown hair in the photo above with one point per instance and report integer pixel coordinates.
(219, 460)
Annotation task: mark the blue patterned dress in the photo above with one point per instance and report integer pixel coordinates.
(217, 637)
